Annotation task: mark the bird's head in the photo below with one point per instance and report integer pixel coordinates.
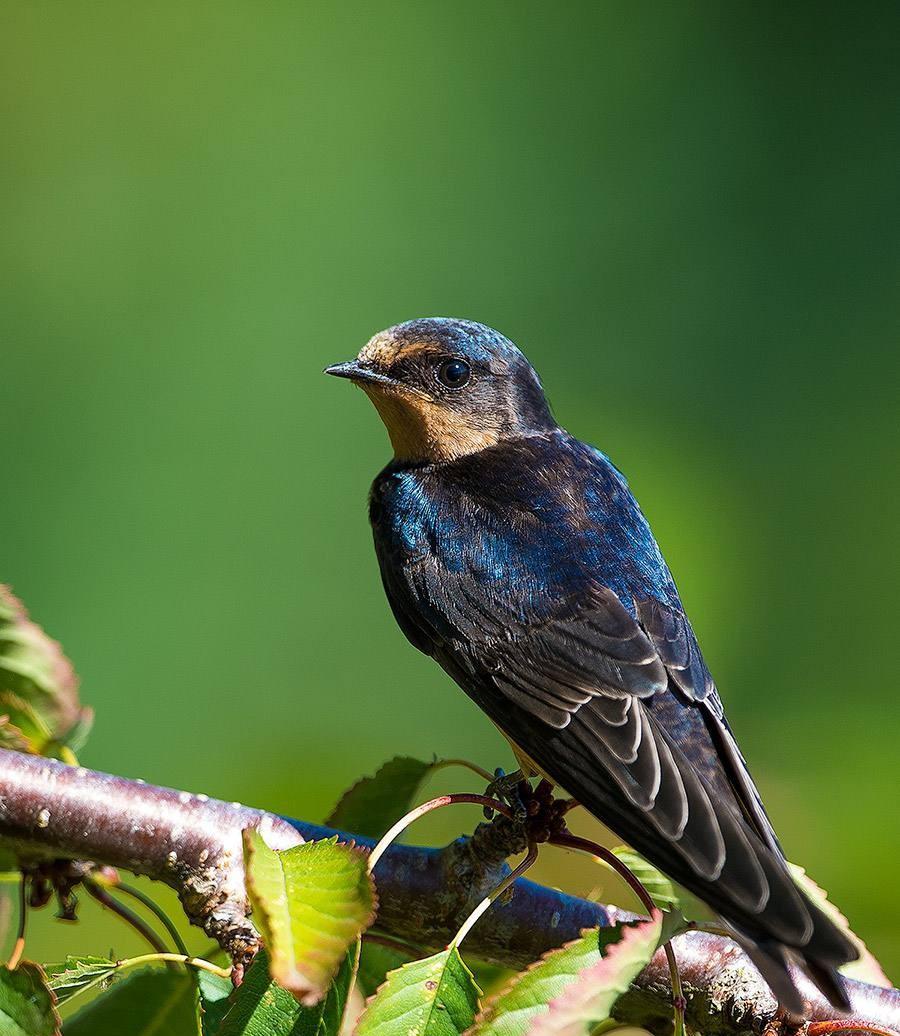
(446, 388)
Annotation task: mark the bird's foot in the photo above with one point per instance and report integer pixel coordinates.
(536, 809)
(546, 814)
(512, 788)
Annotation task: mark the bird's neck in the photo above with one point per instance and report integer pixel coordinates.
(423, 432)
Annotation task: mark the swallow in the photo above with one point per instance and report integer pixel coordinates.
(516, 556)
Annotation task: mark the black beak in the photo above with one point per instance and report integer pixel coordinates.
(350, 369)
(356, 371)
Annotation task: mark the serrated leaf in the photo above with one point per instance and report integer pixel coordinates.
(148, 1002)
(436, 996)
(373, 804)
(12, 738)
(38, 686)
(589, 1000)
(260, 1007)
(213, 994)
(375, 961)
(866, 968)
(27, 1006)
(75, 973)
(659, 887)
(512, 1010)
(310, 903)
(26, 729)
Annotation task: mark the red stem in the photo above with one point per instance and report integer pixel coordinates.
(128, 916)
(840, 1025)
(574, 842)
(571, 841)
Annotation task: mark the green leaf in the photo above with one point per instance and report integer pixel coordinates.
(213, 993)
(310, 903)
(866, 968)
(12, 738)
(515, 1008)
(24, 728)
(509, 1011)
(27, 1006)
(373, 804)
(148, 1002)
(589, 1000)
(659, 887)
(38, 686)
(375, 961)
(260, 1007)
(75, 973)
(436, 996)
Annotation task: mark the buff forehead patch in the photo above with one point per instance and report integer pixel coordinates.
(381, 350)
(473, 340)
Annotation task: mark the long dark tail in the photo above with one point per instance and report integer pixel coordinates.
(773, 960)
(752, 888)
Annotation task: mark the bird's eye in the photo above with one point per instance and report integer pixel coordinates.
(454, 373)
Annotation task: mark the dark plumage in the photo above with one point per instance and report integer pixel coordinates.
(517, 557)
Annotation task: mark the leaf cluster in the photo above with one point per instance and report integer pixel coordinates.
(314, 906)
(40, 711)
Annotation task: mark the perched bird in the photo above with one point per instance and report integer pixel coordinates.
(517, 558)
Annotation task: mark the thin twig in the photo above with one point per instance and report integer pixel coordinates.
(678, 1001)
(420, 811)
(157, 911)
(585, 845)
(175, 958)
(152, 958)
(128, 916)
(513, 875)
(19, 945)
(570, 841)
(442, 764)
(428, 807)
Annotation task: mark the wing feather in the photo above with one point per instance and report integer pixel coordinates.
(615, 703)
(591, 690)
(671, 635)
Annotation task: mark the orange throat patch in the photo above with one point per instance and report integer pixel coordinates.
(421, 429)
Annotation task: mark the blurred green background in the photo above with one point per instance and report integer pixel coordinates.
(686, 215)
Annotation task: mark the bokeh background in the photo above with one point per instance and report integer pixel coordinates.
(687, 216)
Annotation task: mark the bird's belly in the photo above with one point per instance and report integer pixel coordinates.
(528, 766)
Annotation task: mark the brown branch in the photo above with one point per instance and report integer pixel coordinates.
(190, 842)
(49, 811)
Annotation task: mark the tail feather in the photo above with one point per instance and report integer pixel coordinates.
(830, 983)
(772, 960)
(717, 854)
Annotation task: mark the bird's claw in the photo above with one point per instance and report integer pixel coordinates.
(512, 788)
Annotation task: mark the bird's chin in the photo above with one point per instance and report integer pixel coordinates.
(396, 390)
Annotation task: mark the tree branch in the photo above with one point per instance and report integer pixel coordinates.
(49, 811)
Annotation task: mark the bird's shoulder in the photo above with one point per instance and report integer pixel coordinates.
(528, 544)
(548, 508)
